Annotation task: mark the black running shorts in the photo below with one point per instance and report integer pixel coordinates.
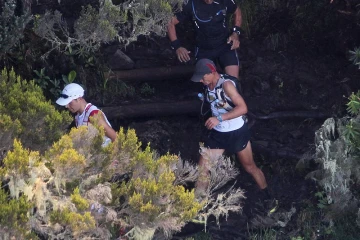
(233, 142)
(223, 54)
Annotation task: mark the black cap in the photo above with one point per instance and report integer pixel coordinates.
(202, 67)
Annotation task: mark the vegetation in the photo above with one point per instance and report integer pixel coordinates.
(12, 25)
(153, 199)
(71, 185)
(105, 23)
(279, 23)
(68, 190)
(263, 234)
(355, 56)
(337, 152)
(13, 214)
(25, 114)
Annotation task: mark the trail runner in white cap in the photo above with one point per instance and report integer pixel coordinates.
(72, 98)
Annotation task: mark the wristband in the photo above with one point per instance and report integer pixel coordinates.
(236, 30)
(219, 118)
(175, 44)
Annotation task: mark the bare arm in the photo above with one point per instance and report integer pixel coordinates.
(234, 38)
(109, 131)
(237, 17)
(240, 105)
(171, 30)
(181, 52)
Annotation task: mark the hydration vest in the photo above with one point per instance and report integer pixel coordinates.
(212, 31)
(83, 119)
(220, 93)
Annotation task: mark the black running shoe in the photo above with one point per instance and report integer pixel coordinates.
(266, 207)
(271, 205)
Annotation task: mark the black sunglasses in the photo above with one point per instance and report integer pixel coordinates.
(64, 95)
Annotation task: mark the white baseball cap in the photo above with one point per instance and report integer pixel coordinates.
(71, 91)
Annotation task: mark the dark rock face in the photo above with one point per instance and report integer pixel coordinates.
(120, 61)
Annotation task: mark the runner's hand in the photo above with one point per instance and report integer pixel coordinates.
(211, 123)
(234, 39)
(183, 54)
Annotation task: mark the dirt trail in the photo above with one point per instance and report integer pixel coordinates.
(272, 82)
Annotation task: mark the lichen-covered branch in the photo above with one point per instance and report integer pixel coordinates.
(123, 23)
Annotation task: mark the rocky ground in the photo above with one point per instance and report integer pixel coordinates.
(289, 94)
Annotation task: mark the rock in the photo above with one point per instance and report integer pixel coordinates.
(120, 61)
(296, 134)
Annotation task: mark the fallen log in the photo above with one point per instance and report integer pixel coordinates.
(153, 74)
(192, 107)
(153, 109)
(291, 114)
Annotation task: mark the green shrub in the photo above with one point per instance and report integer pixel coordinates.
(355, 56)
(14, 215)
(338, 151)
(27, 115)
(11, 26)
(153, 199)
(67, 187)
(107, 23)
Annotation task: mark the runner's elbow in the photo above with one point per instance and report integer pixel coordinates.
(245, 110)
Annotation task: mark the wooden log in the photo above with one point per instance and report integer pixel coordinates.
(291, 114)
(153, 74)
(191, 107)
(153, 109)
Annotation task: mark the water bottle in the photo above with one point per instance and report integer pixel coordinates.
(201, 96)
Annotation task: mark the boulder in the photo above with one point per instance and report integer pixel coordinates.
(120, 61)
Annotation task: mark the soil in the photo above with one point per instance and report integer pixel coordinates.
(289, 92)
(274, 83)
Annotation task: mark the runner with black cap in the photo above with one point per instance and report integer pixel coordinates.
(228, 130)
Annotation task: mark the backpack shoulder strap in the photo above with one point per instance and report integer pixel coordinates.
(220, 93)
(90, 111)
(235, 80)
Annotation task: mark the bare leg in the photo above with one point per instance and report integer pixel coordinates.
(247, 161)
(232, 70)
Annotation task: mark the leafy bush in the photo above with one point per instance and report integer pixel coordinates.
(25, 114)
(11, 26)
(123, 22)
(278, 22)
(355, 56)
(72, 187)
(337, 151)
(13, 215)
(339, 166)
